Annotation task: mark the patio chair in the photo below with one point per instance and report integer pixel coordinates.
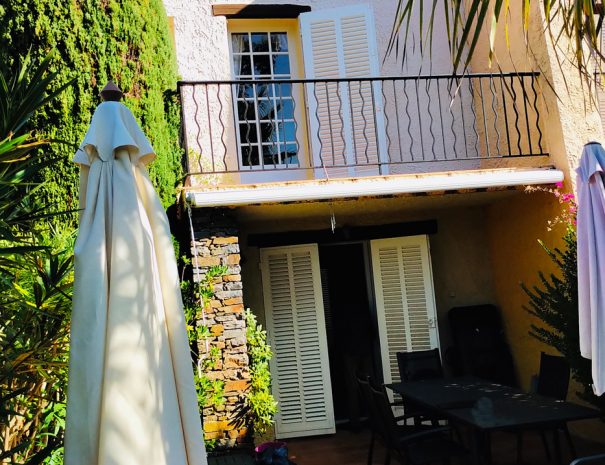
(480, 348)
(376, 428)
(592, 460)
(417, 366)
(414, 445)
(553, 382)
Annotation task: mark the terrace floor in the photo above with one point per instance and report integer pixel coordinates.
(346, 447)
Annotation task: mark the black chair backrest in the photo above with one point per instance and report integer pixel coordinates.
(480, 348)
(419, 365)
(553, 379)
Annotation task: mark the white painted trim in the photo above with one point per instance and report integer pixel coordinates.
(368, 187)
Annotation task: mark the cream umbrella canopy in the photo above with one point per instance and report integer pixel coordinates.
(591, 260)
(131, 395)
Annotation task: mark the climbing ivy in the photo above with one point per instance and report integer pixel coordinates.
(127, 41)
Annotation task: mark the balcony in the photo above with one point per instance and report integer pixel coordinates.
(252, 131)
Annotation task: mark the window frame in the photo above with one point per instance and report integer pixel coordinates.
(291, 28)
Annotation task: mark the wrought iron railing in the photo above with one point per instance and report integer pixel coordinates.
(360, 126)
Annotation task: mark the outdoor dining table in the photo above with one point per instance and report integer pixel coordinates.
(484, 407)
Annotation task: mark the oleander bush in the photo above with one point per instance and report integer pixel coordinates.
(555, 300)
(35, 277)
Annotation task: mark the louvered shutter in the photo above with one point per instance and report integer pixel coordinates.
(405, 299)
(296, 328)
(345, 119)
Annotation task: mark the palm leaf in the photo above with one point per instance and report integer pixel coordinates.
(575, 22)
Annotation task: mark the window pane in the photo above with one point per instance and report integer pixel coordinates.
(281, 64)
(250, 155)
(285, 109)
(264, 90)
(242, 66)
(247, 133)
(245, 90)
(240, 43)
(289, 154)
(262, 65)
(260, 42)
(270, 155)
(245, 110)
(284, 88)
(287, 132)
(268, 133)
(279, 42)
(266, 109)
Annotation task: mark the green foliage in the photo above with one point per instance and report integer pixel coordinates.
(260, 406)
(568, 23)
(555, 303)
(210, 392)
(206, 286)
(35, 280)
(127, 41)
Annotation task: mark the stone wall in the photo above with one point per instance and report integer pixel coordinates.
(216, 242)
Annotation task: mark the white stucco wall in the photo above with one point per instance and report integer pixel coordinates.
(202, 42)
(203, 47)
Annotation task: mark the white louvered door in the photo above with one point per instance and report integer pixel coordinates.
(297, 334)
(405, 301)
(346, 121)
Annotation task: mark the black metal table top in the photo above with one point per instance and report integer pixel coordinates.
(488, 406)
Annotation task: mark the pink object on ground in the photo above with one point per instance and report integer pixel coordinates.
(591, 260)
(265, 445)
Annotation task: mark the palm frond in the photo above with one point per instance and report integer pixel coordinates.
(578, 23)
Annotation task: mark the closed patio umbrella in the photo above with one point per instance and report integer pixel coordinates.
(591, 260)
(131, 395)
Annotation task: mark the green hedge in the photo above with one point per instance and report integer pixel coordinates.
(95, 40)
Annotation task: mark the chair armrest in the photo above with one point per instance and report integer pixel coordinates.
(591, 458)
(422, 434)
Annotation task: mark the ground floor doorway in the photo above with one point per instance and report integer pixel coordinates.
(351, 326)
(335, 310)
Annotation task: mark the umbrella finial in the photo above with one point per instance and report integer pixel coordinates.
(111, 92)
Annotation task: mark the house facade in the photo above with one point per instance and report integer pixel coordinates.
(356, 200)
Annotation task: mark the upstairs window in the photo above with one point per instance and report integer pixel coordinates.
(265, 110)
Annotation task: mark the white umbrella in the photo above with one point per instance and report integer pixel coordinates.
(591, 260)
(131, 395)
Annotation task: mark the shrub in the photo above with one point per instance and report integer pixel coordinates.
(127, 41)
(260, 405)
(555, 301)
(35, 281)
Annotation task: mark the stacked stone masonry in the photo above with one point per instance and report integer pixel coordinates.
(216, 242)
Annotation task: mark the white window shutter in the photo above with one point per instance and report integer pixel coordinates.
(345, 119)
(405, 299)
(297, 334)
